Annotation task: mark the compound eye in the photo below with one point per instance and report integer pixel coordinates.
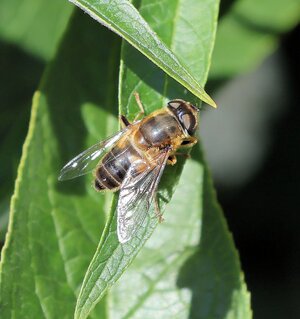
(186, 121)
(175, 104)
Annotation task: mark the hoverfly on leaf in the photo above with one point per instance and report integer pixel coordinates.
(132, 161)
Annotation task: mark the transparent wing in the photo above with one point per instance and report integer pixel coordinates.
(136, 195)
(86, 161)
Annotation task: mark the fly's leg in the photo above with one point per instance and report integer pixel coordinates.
(172, 160)
(157, 210)
(183, 154)
(189, 142)
(140, 105)
(124, 121)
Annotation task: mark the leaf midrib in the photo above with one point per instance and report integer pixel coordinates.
(171, 48)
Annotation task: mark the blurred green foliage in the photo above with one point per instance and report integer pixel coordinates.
(248, 31)
(34, 26)
(28, 40)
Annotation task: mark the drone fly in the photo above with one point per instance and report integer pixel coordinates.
(132, 161)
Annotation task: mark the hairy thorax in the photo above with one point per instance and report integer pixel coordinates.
(157, 131)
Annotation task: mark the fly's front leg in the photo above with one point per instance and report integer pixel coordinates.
(183, 154)
(157, 210)
(186, 143)
(189, 142)
(140, 105)
(172, 160)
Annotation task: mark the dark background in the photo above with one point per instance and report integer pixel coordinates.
(263, 211)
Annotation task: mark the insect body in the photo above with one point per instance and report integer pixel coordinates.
(133, 160)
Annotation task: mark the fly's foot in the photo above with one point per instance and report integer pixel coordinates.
(158, 212)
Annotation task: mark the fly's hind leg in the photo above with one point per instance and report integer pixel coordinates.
(157, 210)
(124, 121)
(140, 105)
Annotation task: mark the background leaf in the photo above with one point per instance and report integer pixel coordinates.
(30, 25)
(122, 17)
(28, 38)
(248, 31)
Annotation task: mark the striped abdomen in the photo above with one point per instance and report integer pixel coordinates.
(114, 166)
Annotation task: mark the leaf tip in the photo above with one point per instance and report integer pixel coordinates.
(202, 95)
(207, 99)
(213, 104)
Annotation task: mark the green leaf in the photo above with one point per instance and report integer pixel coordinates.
(15, 97)
(164, 256)
(34, 25)
(123, 18)
(28, 36)
(54, 228)
(249, 32)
